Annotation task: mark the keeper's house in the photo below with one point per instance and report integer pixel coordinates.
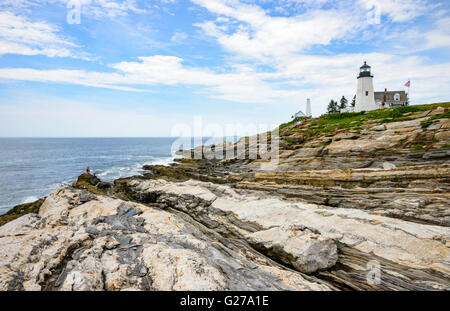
(388, 99)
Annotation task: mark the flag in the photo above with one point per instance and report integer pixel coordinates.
(408, 84)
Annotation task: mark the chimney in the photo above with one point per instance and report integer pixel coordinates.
(308, 107)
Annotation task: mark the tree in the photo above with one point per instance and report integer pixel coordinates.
(332, 107)
(353, 102)
(343, 104)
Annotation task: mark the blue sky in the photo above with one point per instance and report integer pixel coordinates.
(138, 68)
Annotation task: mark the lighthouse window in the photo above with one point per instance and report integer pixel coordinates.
(367, 93)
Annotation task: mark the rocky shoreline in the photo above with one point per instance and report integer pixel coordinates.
(359, 204)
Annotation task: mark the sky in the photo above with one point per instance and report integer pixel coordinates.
(132, 68)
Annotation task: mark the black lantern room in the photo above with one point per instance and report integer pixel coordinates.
(365, 71)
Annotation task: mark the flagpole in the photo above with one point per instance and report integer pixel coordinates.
(409, 92)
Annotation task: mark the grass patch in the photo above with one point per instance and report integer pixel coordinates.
(329, 123)
(284, 125)
(407, 165)
(423, 143)
(403, 140)
(287, 124)
(20, 210)
(425, 124)
(26, 208)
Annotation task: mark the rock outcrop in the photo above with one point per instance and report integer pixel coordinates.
(92, 183)
(355, 202)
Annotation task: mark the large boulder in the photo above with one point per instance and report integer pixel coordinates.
(305, 250)
(438, 111)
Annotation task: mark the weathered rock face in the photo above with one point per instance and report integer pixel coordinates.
(304, 236)
(416, 193)
(110, 244)
(368, 143)
(203, 236)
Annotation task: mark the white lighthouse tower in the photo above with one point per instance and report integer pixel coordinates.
(365, 96)
(308, 107)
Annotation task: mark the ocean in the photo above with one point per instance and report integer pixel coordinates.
(31, 168)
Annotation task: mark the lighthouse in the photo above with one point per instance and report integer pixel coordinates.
(365, 96)
(308, 107)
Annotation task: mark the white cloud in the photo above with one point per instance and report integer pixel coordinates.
(437, 37)
(261, 36)
(78, 77)
(418, 39)
(19, 35)
(256, 35)
(110, 8)
(91, 8)
(179, 36)
(7, 47)
(238, 85)
(397, 10)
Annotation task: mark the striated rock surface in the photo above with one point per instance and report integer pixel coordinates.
(411, 255)
(110, 244)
